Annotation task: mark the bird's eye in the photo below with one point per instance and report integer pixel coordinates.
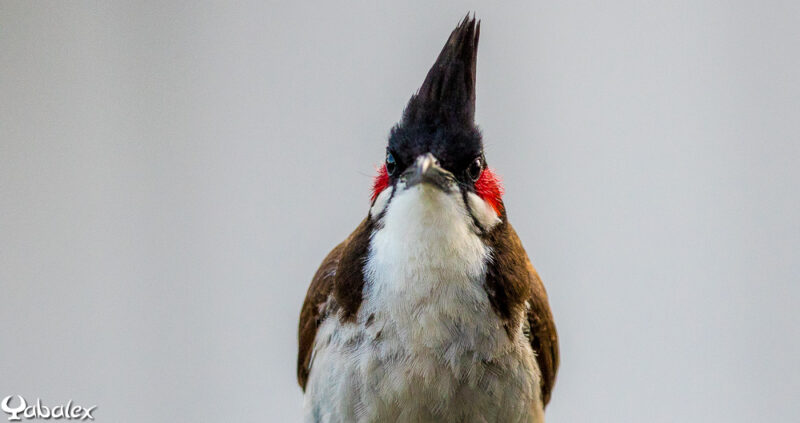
(475, 169)
(391, 165)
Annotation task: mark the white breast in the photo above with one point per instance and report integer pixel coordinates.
(427, 345)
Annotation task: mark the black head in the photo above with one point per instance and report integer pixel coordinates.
(439, 118)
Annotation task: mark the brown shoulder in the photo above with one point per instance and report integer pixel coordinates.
(519, 298)
(337, 286)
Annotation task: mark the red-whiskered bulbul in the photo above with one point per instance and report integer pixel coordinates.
(430, 311)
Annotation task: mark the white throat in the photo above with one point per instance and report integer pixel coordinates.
(426, 228)
(426, 265)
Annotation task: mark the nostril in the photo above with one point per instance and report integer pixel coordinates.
(433, 159)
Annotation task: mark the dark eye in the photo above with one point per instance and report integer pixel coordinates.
(391, 165)
(475, 169)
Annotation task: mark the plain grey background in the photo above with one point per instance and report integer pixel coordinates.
(171, 174)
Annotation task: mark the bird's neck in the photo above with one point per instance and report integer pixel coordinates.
(425, 254)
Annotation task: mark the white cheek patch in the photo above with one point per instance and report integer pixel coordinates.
(380, 202)
(482, 211)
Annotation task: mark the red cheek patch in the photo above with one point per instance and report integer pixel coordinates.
(380, 182)
(490, 189)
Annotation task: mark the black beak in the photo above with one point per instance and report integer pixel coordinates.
(426, 169)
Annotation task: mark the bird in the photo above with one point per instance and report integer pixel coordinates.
(430, 310)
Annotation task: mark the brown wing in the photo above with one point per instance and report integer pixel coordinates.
(311, 313)
(543, 336)
(337, 285)
(512, 282)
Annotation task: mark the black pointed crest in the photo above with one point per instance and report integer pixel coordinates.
(448, 93)
(440, 117)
